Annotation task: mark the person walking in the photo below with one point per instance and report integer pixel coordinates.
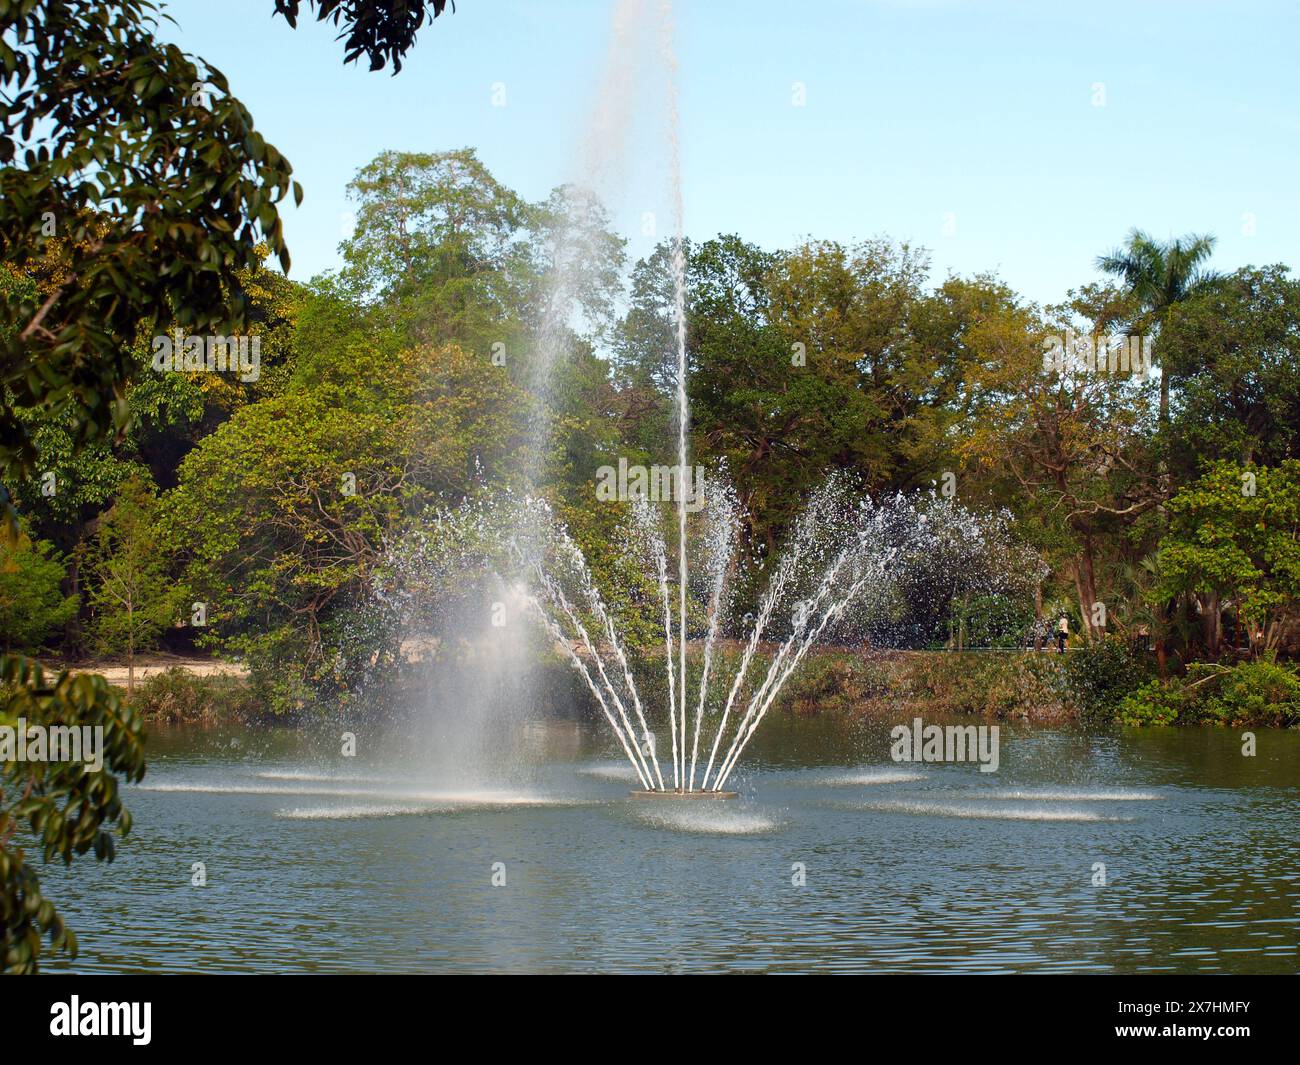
(1062, 634)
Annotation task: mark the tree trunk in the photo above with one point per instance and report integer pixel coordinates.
(1038, 616)
(130, 649)
(72, 586)
(1084, 583)
(1210, 624)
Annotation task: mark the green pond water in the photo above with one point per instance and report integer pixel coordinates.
(833, 858)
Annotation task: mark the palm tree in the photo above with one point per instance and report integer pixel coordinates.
(1160, 275)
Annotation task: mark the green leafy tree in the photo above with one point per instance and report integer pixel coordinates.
(1070, 451)
(435, 235)
(132, 596)
(134, 188)
(1234, 542)
(283, 513)
(448, 254)
(780, 415)
(32, 603)
(1235, 349)
(797, 364)
(133, 191)
(871, 383)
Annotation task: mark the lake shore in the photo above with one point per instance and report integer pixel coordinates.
(991, 685)
(1094, 685)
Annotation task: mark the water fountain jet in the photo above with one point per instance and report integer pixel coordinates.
(841, 546)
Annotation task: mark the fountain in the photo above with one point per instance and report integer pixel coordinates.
(839, 547)
(838, 554)
(568, 604)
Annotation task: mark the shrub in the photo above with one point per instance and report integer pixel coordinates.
(1262, 693)
(827, 683)
(988, 685)
(1153, 703)
(1256, 693)
(177, 695)
(994, 621)
(1101, 673)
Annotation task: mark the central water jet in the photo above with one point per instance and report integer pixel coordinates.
(836, 549)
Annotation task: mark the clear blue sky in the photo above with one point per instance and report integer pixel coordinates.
(915, 110)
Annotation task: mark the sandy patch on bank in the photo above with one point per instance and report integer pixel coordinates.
(147, 666)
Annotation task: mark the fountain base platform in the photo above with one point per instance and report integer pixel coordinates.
(639, 794)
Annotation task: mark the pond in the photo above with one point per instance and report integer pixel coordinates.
(833, 858)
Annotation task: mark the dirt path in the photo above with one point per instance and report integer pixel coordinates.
(147, 666)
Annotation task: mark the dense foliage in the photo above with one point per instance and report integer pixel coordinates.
(407, 384)
(60, 808)
(32, 604)
(133, 185)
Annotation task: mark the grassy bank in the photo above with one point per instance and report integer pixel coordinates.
(1102, 684)
(992, 685)
(178, 696)
(999, 686)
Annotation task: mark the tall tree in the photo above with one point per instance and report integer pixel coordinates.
(799, 365)
(286, 509)
(1160, 275)
(1235, 349)
(445, 251)
(429, 220)
(138, 162)
(132, 596)
(1075, 441)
